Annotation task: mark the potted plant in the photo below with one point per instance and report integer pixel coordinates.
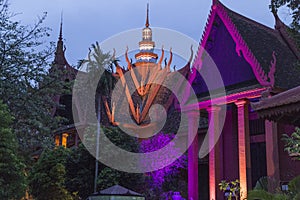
(231, 189)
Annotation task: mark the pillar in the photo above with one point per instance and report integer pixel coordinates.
(272, 156)
(215, 158)
(193, 155)
(244, 147)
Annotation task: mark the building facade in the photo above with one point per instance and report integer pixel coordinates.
(254, 61)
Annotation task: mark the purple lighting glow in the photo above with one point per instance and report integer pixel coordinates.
(155, 143)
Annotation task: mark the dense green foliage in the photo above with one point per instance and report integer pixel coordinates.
(292, 144)
(108, 176)
(293, 192)
(70, 173)
(80, 172)
(12, 169)
(25, 85)
(264, 195)
(48, 176)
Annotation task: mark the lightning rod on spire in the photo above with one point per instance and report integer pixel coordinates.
(147, 18)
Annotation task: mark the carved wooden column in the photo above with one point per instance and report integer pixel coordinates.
(193, 155)
(272, 152)
(244, 147)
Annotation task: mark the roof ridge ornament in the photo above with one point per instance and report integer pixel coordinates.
(278, 23)
(282, 28)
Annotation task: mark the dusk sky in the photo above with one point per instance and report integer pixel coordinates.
(85, 22)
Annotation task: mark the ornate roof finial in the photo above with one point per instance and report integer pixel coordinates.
(278, 23)
(61, 24)
(147, 17)
(274, 9)
(282, 28)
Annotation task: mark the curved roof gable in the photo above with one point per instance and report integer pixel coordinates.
(268, 54)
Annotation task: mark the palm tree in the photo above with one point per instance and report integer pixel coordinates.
(100, 63)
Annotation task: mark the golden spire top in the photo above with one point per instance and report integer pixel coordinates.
(147, 18)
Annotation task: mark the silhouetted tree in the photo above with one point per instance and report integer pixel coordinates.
(12, 169)
(47, 179)
(25, 85)
(294, 6)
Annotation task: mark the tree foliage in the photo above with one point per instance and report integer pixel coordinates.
(97, 82)
(80, 173)
(292, 144)
(97, 63)
(24, 82)
(12, 169)
(108, 176)
(48, 176)
(294, 6)
(80, 165)
(293, 192)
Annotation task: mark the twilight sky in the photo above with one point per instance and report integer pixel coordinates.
(88, 21)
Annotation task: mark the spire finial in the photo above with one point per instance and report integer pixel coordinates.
(147, 18)
(61, 24)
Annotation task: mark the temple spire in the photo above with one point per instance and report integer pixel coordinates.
(147, 17)
(146, 53)
(60, 53)
(60, 30)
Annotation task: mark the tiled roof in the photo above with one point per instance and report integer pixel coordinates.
(284, 106)
(262, 41)
(288, 97)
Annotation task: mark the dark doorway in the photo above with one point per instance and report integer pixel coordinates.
(203, 187)
(258, 161)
